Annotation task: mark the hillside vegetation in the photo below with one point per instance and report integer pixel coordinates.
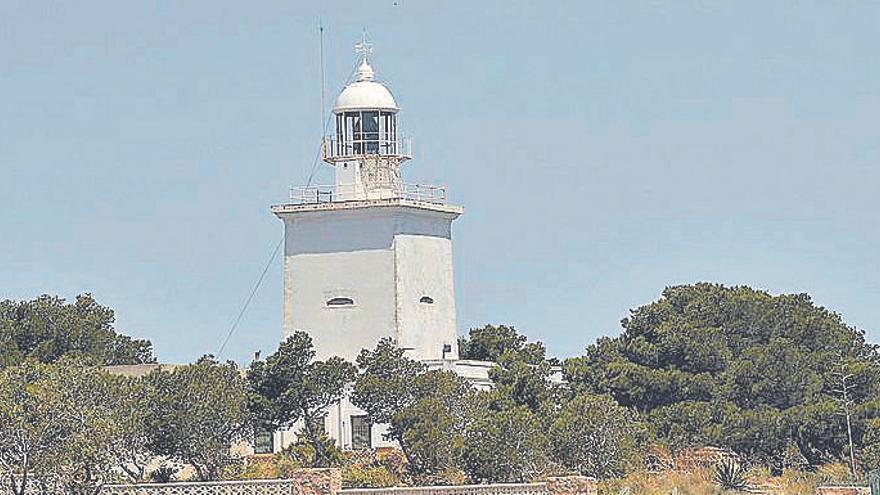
(784, 391)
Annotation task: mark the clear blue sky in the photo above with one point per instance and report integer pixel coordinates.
(602, 151)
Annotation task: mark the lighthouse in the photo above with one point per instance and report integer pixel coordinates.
(370, 255)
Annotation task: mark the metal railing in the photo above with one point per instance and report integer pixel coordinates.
(334, 149)
(249, 487)
(425, 193)
(337, 193)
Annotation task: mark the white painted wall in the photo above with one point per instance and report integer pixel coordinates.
(385, 255)
(338, 427)
(424, 269)
(384, 258)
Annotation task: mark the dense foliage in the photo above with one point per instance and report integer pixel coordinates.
(490, 342)
(53, 428)
(425, 410)
(198, 413)
(291, 386)
(71, 428)
(48, 329)
(527, 425)
(593, 434)
(738, 368)
(507, 445)
(776, 380)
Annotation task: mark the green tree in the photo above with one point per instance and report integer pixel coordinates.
(290, 386)
(430, 428)
(523, 373)
(595, 436)
(505, 436)
(35, 421)
(200, 411)
(870, 454)
(385, 383)
(89, 457)
(519, 382)
(736, 367)
(48, 328)
(491, 342)
(58, 424)
(426, 410)
(505, 446)
(131, 406)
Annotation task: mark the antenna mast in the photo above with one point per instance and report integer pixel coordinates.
(323, 98)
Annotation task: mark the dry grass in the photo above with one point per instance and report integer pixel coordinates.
(665, 483)
(700, 482)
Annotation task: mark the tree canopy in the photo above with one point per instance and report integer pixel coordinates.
(738, 368)
(425, 410)
(66, 428)
(199, 412)
(290, 386)
(491, 342)
(775, 378)
(48, 329)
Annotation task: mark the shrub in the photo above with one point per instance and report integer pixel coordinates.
(730, 475)
(369, 477)
(163, 474)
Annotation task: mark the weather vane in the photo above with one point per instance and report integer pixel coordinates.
(363, 47)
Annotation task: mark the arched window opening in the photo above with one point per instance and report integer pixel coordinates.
(426, 300)
(340, 301)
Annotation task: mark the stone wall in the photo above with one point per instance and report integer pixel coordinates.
(497, 489)
(317, 481)
(571, 485)
(843, 490)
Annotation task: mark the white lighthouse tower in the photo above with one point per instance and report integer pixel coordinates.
(369, 256)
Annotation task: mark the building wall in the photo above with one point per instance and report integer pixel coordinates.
(384, 259)
(366, 277)
(338, 427)
(424, 270)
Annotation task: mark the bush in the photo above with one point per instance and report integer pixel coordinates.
(302, 452)
(594, 436)
(379, 469)
(369, 477)
(163, 474)
(730, 475)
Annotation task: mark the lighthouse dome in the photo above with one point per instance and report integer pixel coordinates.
(365, 93)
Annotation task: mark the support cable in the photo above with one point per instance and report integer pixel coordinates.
(311, 176)
(250, 298)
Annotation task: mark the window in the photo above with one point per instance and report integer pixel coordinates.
(361, 433)
(263, 442)
(367, 132)
(371, 125)
(426, 300)
(340, 301)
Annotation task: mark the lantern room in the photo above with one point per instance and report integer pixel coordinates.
(366, 121)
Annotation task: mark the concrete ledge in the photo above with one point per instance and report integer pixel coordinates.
(290, 208)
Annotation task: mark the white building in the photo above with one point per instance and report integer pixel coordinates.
(370, 256)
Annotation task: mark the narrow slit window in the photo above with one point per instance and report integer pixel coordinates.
(340, 301)
(426, 300)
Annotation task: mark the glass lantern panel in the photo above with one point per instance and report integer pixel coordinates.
(371, 132)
